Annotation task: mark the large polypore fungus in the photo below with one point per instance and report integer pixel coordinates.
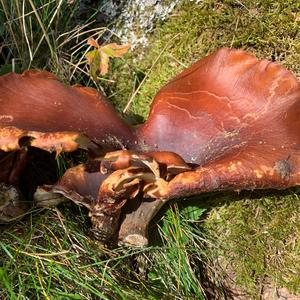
(228, 122)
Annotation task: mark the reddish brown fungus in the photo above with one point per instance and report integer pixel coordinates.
(37, 101)
(228, 122)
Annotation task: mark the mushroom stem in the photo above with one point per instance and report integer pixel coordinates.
(105, 221)
(134, 228)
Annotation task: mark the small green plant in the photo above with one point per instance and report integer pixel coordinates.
(52, 255)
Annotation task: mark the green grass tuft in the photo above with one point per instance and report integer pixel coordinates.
(52, 255)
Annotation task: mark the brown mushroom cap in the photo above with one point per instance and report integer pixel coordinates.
(235, 116)
(80, 184)
(222, 104)
(37, 101)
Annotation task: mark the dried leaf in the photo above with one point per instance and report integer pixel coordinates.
(104, 63)
(92, 42)
(98, 58)
(114, 50)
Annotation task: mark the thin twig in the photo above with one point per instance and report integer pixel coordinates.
(25, 30)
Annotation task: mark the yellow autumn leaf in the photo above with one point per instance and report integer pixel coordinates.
(98, 59)
(94, 60)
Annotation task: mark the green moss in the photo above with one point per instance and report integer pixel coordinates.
(259, 239)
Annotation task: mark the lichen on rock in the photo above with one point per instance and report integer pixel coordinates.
(132, 20)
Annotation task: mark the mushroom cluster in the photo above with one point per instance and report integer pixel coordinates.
(228, 122)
